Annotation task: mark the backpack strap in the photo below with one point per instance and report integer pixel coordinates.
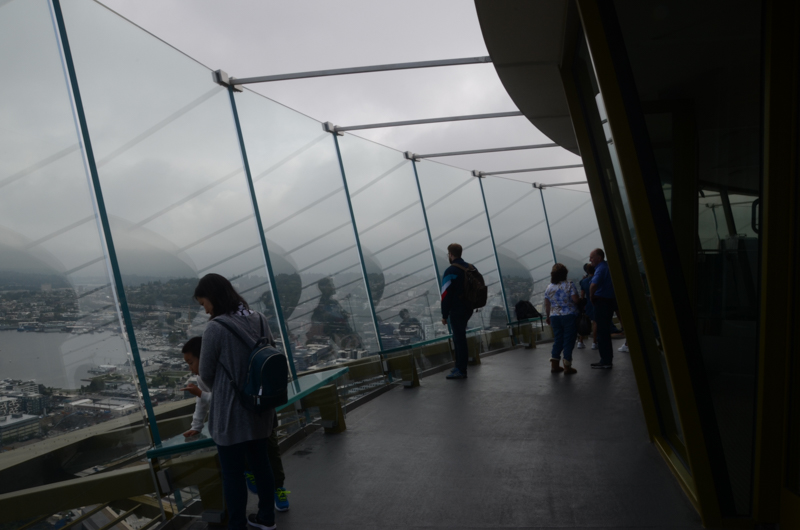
(238, 336)
(236, 333)
(465, 269)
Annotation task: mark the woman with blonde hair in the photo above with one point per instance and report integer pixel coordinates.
(561, 308)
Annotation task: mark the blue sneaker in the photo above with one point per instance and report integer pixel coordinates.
(456, 374)
(250, 479)
(281, 501)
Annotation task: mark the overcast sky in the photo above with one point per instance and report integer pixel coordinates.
(261, 37)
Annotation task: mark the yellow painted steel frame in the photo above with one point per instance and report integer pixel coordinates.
(605, 224)
(772, 501)
(603, 209)
(661, 283)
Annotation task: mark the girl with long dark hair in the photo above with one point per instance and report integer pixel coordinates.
(240, 435)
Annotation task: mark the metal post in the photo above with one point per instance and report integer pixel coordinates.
(534, 169)
(547, 222)
(482, 151)
(358, 243)
(276, 302)
(335, 128)
(103, 227)
(361, 70)
(430, 239)
(496, 258)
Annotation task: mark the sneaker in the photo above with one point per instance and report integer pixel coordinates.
(580, 346)
(456, 374)
(594, 345)
(250, 479)
(623, 348)
(602, 366)
(253, 520)
(281, 501)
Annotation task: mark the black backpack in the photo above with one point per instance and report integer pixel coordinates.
(267, 374)
(475, 291)
(525, 310)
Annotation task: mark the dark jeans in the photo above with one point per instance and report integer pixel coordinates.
(565, 329)
(274, 454)
(234, 459)
(458, 323)
(603, 313)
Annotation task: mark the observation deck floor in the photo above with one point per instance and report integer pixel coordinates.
(513, 446)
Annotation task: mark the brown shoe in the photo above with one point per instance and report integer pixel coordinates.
(568, 369)
(554, 367)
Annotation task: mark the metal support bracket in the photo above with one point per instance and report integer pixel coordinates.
(331, 128)
(479, 174)
(220, 77)
(408, 155)
(541, 186)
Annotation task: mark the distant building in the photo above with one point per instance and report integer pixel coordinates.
(114, 406)
(9, 405)
(18, 426)
(17, 385)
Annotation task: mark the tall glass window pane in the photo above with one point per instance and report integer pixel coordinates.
(631, 262)
(717, 85)
(171, 169)
(394, 241)
(573, 225)
(309, 233)
(521, 238)
(456, 214)
(65, 363)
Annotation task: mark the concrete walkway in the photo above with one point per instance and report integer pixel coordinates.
(513, 446)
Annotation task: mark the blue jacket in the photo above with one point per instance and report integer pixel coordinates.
(453, 288)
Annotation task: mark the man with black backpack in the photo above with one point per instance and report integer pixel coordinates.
(463, 291)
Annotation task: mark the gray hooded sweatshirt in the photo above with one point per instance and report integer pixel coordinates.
(229, 422)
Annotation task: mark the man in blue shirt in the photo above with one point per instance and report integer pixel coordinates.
(601, 293)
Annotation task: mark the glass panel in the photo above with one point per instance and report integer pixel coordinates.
(66, 365)
(394, 242)
(521, 238)
(456, 214)
(171, 169)
(309, 233)
(631, 262)
(573, 226)
(717, 85)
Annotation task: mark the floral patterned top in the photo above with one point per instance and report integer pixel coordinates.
(560, 296)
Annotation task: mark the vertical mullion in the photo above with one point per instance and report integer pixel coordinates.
(496, 257)
(104, 227)
(547, 222)
(430, 239)
(265, 250)
(358, 242)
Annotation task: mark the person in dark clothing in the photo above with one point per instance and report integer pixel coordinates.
(588, 308)
(453, 307)
(410, 327)
(601, 293)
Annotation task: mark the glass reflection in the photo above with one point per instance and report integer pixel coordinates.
(394, 242)
(173, 181)
(704, 116)
(309, 232)
(66, 364)
(573, 226)
(521, 239)
(456, 214)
